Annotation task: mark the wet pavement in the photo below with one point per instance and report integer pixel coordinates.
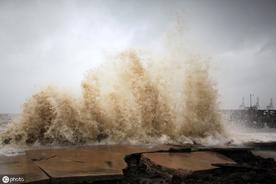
(90, 163)
(266, 153)
(193, 161)
(22, 166)
(106, 163)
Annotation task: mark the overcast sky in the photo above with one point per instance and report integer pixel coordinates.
(56, 42)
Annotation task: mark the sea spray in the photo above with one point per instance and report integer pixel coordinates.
(48, 115)
(123, 101)
(200, 112)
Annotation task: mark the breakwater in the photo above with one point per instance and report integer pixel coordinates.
(252, 117)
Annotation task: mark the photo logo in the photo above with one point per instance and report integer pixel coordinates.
(12, 179)
(5, 179)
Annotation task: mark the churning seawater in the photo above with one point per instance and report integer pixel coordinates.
(128, 101)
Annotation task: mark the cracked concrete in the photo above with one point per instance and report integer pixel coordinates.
(166, 163)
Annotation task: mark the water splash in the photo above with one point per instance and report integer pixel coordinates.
(124, 101)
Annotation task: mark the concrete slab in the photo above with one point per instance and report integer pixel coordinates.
(65, 165)
(95, 163)
(193, 161)
(20, 166)
(265, 153)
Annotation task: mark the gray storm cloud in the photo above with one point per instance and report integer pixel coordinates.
(58, 41)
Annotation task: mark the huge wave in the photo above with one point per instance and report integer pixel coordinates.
(124, 100)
